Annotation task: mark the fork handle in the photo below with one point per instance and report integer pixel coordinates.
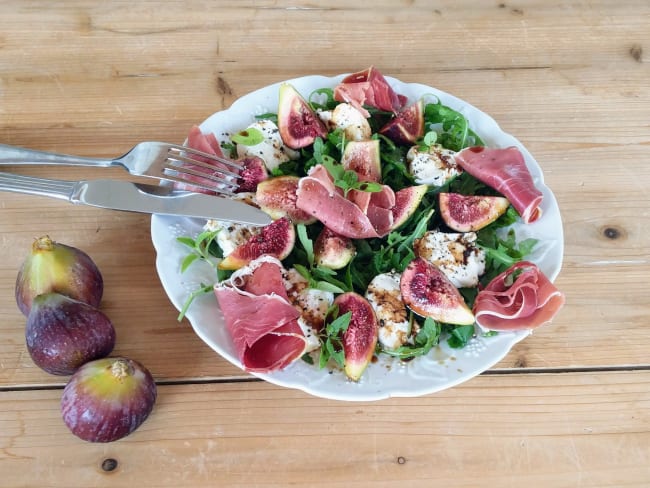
(37, 186)
(18, 156)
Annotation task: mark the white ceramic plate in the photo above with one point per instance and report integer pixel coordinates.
(388, 377)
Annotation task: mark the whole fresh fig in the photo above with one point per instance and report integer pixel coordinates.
(54, 267)
(107, 399)
(63, 333)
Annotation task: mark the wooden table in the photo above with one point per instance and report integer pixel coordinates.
(569, 406)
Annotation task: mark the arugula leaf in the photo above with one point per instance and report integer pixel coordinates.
(327, 94)
(460, 336)
(273, 117)
(331, 340)
(455, 133)
(427, 337)
(202, 247)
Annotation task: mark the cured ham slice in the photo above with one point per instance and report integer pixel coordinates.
(262, 323)
(206, 143)
(362, 215)
(504, 170)
(521, 297)
(369, 87)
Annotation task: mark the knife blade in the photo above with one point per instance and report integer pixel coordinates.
(136, 197)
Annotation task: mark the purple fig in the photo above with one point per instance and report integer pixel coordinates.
(332, 250)
(62, 333)
(360, 338)
(107, 399)
(466, 213)
(428, 292)
(298, 124)
(54, 267)
(276, 239)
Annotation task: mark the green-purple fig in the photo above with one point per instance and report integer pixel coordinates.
(54, 267)
(107, 399)
(63, 333)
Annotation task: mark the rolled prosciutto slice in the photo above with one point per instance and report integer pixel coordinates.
(369, 87)
(261, 321)
(504, 170)
(521, 297)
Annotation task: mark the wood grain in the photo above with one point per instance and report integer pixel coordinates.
(568, 79)
(564, 430)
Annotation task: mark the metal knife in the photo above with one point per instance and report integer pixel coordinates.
(136, 197)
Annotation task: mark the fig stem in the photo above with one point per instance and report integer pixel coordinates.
(120, 369)
(43, 243)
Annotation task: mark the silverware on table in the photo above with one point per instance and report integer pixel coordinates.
(161, 160)
(136, 197)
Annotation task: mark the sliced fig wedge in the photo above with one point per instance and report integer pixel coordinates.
(466, 213)
(362, 157)
(299, 125)
(276, 239)
(407, 200)
(332, 250)
(253, 174)
(429, 293)
(360, 338)
(277, 197)
(407, 126)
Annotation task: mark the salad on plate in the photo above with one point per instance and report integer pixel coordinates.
(413, 242)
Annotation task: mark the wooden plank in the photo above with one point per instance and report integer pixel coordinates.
(563, 99)
(563, 430)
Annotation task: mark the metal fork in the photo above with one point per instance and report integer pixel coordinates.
(161, 160)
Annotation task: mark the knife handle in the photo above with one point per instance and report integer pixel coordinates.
(37, 186)
(19, 156)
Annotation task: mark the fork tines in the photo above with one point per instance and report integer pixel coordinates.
(181, 167)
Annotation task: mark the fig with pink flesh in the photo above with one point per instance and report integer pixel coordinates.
(428, 292)
(277, 197)
(253, 173)
(466, 213)
(332, 250)
(107, 399)
(407, 201)
(360, 338)
(407, 126)
(55, 267)
(276, 239)
(62, 333)
(362, 157)
(299, 125)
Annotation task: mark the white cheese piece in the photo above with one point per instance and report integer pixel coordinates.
(384, 296)
(456, 254)
(231, 234)
(433, 167)
(310, 302)
(272, 149)
(349, 119)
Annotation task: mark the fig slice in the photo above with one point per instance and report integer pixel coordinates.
(362, 157)
(407, 201)
(428, 292)
(253, 173)
(108, 399)
(277, 197)
(62, 333)
(360, 338)
(407, 126)
(466, 213)
(332, 250)
(276, 239)
(298, 123)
